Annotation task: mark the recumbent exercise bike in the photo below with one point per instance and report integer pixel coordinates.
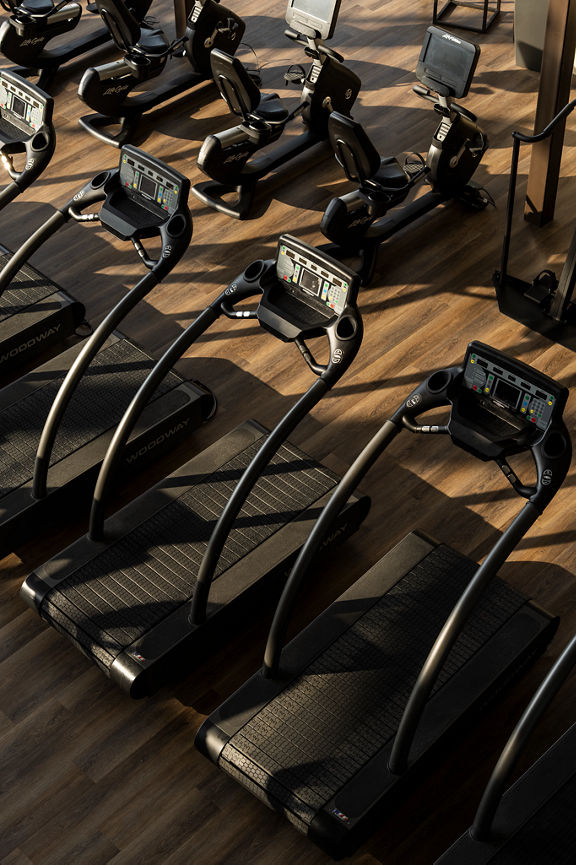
(226, 157)
(107, 89)
(32, 24)
(354, 222)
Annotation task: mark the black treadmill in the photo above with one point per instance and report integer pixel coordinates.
(332, 730)
(34, 313)
(192, 555)
(57, 421)
(532, 822)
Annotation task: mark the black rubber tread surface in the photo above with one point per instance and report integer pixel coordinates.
(308, 742)
(98, 404)
(136, 582)
(549, 838)
(32, 287)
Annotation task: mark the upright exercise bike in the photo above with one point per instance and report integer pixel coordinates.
(107, 89)
(357, 223)
(226, 157)
(32, 24)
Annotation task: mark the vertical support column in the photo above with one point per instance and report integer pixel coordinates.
(553, 94)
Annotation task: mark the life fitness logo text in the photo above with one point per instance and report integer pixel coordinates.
(337, 355)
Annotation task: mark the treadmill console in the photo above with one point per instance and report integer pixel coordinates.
(313, 278)
(150, 182)
(510, 389)
(23, 107)
(447, 63)
(313, 17)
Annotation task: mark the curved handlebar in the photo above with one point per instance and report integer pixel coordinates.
(343, 350)
(494, 790)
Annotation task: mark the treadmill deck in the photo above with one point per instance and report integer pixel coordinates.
(125, 603)
(314, 744)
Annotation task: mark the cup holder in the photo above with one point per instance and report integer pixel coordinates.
(554, 445)
(438, 381)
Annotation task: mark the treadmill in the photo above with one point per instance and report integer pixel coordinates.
(531, 822)
(148, 591)
(321, 734)
(56, 422)
(34, 313)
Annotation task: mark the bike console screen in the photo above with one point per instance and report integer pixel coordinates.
(313, 278)
(21, 106)
(149, 182)
(510, 390)
(313, 17)
(447, 62)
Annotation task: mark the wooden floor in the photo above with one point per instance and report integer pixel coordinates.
(88, 777)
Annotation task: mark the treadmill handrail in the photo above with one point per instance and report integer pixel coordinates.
(74, 375)
(115, 450)
(342, 353)
(88, 195)
(347, 485)
(450, 632)
(498, 781)
(29, 247)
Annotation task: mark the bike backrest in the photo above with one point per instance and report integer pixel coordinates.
(238, 90)
(123, 26)
(354, 150)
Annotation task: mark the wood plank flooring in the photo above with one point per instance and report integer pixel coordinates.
(88, 777)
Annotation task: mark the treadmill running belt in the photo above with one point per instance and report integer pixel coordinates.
(136, 582)
(301, 748)
(98, 404)
(32, 287)
(549, 838)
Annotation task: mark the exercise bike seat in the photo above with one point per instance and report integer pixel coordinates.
(270, 108)
(152, 41)
(354, 150)
(390, 174)
(240, 91)
(35, 7)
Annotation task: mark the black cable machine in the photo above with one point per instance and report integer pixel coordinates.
(532, 821)
(107, 89)
(143, 198)
(320, 733)
(357, 223)
(32, 24)
(144, 597)
(227, 157)
(34, 313)
(546, 303)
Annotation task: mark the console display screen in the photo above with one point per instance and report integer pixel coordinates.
(312, 279)
(507, 393)
(148, 187)
(146, 183)
(18, 106)
(502, 384)
(310, 282)
(319, 15)
(24, 110)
